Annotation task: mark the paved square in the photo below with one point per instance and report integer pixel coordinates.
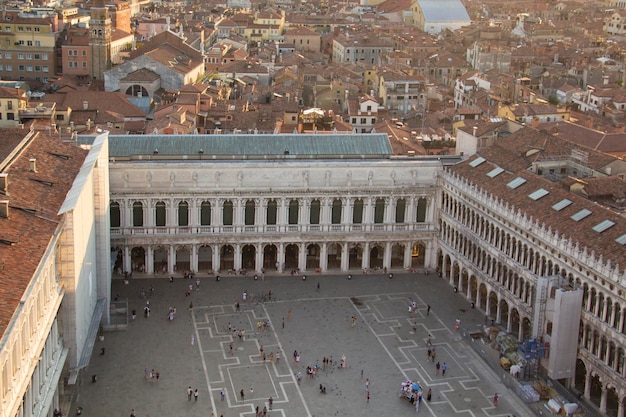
(216, 347)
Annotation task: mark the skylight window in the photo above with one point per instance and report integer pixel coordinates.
(516, 182)
(538, 194)
(602, 226)
(621, 240)
(562, 204)
(495, 172)
(581, 215)
(477, 161)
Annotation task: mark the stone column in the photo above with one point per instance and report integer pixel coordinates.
(620, 407)
(324, 257)
(603, 399)
(193, 258)
(128, 262)
(282, 219)
(149, 259)
(587, 393)
(302, 256)
(387, 256)
(171, 259)
(368, 216)
(215, 257)
(509, 322)
(520, 331)
(346, 212)
(365, 262)
(281, 256)
(345, 257)
(259, 257)
(408, 252)
(127, 218)
(499, 313)
(237, 257)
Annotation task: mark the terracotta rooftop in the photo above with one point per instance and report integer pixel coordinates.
(542, 209)
(34, 201)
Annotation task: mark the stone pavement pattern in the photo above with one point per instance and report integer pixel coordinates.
(194, 350)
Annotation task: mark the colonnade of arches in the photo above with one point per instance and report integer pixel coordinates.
(134, 213)
(495, 266)
(315, 256)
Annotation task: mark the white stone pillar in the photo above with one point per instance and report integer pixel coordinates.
(171, 258)
(281, 257)
(346, 212)
(387, 256)
(408, 252)
(302, 256)
(365, 262)
(193, 258)
(345, 257)
(368, 216)
(603, 397)
(215, 257)
(171, 213)
(128, 263)
(237, 259)
(149, 259)
(127, 218)
(324, 257)
(282, 217)
(259, 257)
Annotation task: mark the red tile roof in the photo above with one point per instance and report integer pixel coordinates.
(34, 201)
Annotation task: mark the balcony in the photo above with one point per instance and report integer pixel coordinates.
(241, 230)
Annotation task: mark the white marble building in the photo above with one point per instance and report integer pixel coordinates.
(311, 203)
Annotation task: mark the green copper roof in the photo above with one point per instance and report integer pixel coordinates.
(370, 145)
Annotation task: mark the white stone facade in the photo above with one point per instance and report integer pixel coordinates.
(294, 215)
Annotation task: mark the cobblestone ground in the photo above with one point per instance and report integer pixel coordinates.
(385, 346)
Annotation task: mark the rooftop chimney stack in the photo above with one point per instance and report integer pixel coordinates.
(33, 164)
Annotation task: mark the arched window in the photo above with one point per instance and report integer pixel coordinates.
(159, 214)
(314, 217)
(115, 214)
(357, 212)
(336, 213)
(293, 212)
(183, 213)
(421, 210)
(227, 213)
(249, 213)
(400, 210)
(379, 211)
(272, 210)
(205, 213)
(137, 214)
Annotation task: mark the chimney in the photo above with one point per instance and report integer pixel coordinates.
(33, 164)
(4, 209)
(4, 183)
(85, 105)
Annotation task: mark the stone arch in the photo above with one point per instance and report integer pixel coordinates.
(160, 259)
(248, 257)
(270, 257)
(182, 259)
(313, 253)
(397, 256)
(377, 253)
(227, 258)
(292, 252)
(355, 256)
(580, 375)
(333, 256)
(418, 255)
(138, 259)
(205, 258)
(493, 304)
